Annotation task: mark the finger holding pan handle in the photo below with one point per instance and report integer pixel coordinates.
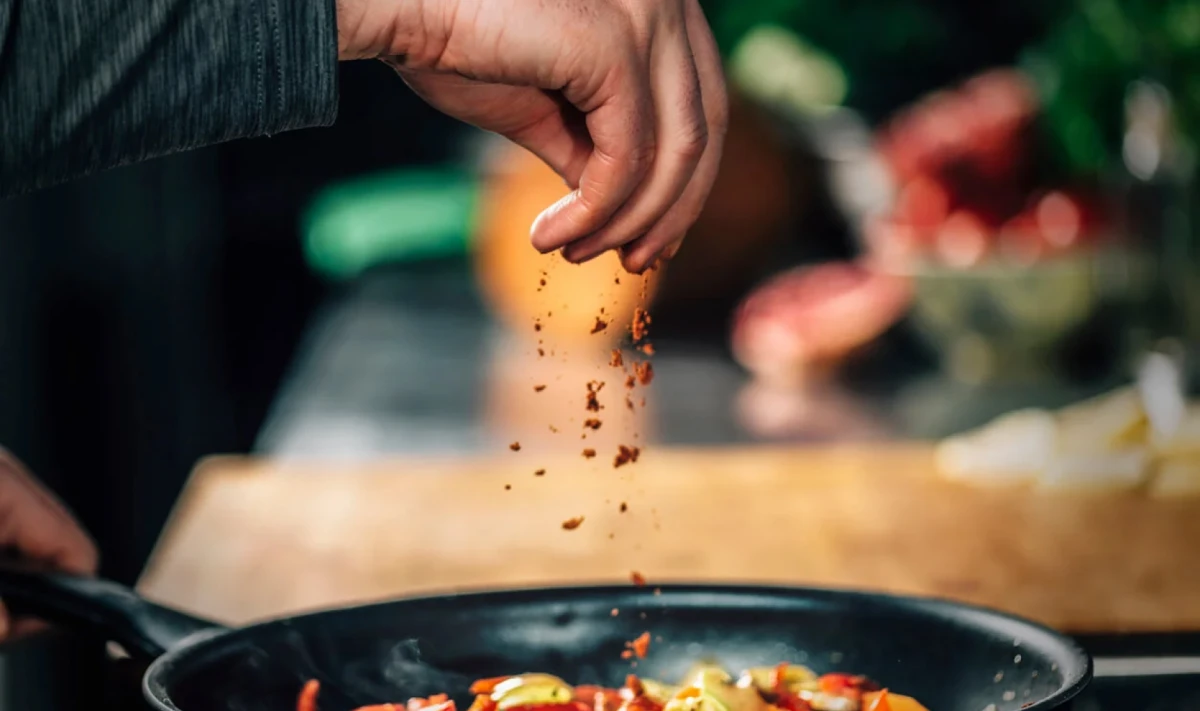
(102, 606)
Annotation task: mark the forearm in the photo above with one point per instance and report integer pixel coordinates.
(87, 85)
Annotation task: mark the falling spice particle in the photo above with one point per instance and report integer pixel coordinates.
(647, 348)
(540, 472)
(538, 388)
(553, 429)
(541, 282)
(589, 453)
(637, 578)
(601, 324)
(617, 360)
(593, 389)
(624, 507)
(515, 446)
(644, 372)
(630, 382)
(615, 612)
(639, 646)
(616, 280)
(541, 352)
(641, 324)
(572, 523)
(508, 487)
(537, 325)
(629, 402)
(627, 654)
(625, 455)
(592, 423)
(643, 402)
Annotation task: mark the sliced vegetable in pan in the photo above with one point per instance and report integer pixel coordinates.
(707, 687)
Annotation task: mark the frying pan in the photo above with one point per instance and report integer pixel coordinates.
(952, 657)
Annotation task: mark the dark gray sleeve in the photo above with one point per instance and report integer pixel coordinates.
(87, 85)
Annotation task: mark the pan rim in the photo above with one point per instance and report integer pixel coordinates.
(1077, 673)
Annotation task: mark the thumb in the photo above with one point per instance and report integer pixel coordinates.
(37, 525)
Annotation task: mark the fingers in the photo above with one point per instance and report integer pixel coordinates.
(37, 525)
(666, 236)
(682, 132)
(657, 146)
(547, 125)
(620, 121)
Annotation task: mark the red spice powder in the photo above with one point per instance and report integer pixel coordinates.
(640, 646)
(625, 455)
(641, 324)
(515, 446)
(593, 390)
(600, 325)
(592, 424)
(572, 523)
(538, 388)
(617, 360)
(589, 453)
(644, 372)
(637, 578)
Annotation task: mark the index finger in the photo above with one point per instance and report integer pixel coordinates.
(620, 120)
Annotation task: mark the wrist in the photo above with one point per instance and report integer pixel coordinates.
(370, 29)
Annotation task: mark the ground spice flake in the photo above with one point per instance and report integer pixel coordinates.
(515, 446)
(589, 453)
(508, 487)
(601, 324)
(644, 372)
(629, 402)
(639, 646)
(592, 423)
(647, 348)
(538, 388)
(572, 523)
(540, 472)
(641, 324)
(617, 360)
(625, 455)
(593, 389)
(637, 578)
(630, 382)
(624, 507)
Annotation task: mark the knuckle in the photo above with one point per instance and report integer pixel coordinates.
(641, 157)
(691, 144)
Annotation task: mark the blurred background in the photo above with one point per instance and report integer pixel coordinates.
(929, 213)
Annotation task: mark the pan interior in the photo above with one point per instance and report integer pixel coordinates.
(951, 658)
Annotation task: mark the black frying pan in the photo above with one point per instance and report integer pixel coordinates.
(951, 657)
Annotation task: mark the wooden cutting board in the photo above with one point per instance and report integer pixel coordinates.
(252, 539)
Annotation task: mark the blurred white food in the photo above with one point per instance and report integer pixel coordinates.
(1143, 436)
(1013, 449)
(1097, 473)
(1176, 478)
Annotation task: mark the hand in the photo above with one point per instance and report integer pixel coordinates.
(35, 525)
(625, 99)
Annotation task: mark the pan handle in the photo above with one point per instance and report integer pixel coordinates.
(140, 626)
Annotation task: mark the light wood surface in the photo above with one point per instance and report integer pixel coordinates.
(253, 539)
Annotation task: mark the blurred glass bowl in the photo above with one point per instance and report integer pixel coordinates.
(1011, 321)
